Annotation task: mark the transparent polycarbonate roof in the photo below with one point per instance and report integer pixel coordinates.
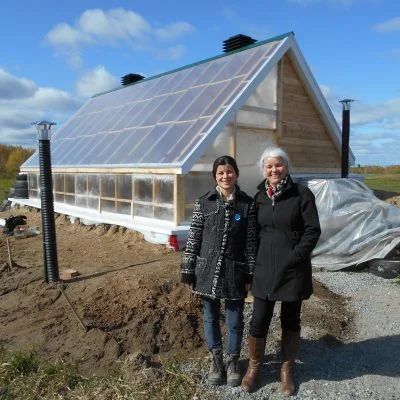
(157, 122)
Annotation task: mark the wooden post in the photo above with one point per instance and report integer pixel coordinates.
(279, 96)
(232, 138)
(156, 190)
(10, 263)
(73, 309)
(179, 199)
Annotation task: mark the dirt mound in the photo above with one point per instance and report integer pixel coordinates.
(127, 299)
(389, 197)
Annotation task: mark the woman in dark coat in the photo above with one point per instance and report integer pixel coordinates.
(218, 264)
(289, 229)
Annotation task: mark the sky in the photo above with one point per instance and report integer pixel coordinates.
(55, 55)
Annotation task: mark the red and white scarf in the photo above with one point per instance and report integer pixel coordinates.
(275, 192)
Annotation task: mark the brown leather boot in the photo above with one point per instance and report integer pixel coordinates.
(256, 357)
(290, 345)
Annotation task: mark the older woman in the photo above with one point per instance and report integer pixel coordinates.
(289, 229)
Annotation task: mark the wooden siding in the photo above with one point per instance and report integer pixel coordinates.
(302, 132)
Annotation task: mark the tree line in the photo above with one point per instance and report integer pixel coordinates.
(375, 169)
(11, 159)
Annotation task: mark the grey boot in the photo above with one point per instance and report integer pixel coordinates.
(233, 377)
(216, 373)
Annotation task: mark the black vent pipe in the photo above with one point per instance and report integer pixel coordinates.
(47, 204)
(237, 42)
(345, 137)
(131, 78)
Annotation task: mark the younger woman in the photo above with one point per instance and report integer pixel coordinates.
(218, 264)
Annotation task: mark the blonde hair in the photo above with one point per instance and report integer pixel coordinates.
(274, 152)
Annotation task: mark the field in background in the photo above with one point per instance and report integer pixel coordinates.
(380, 178)
(383, 181)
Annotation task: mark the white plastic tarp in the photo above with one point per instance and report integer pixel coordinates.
(355, 225)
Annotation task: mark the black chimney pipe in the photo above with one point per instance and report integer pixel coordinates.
(345, 137)
(48, 225)
(47, 203)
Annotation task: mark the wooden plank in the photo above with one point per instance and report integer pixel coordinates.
(296, 97)
(315, 170)
(301, 126)
(304, 150)
(304, 132)
(314, 159)
(292, 83)
(304, 119)
(244, 129)
(308, 142)
(297, 107)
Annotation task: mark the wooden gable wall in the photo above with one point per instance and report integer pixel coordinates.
(301, 131)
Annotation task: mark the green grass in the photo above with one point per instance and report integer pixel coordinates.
(383, 181)
(5, 185)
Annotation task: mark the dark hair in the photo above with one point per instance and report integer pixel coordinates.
(224, 160)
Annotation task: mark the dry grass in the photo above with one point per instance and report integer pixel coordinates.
(23, 376)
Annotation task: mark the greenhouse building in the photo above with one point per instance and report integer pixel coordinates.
(138, 156)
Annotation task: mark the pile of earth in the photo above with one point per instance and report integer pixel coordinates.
(126, 299)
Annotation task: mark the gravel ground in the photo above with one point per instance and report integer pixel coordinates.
(366, 366)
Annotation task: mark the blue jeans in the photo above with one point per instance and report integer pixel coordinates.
(233, 319)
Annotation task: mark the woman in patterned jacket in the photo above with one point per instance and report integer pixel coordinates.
(218, 264)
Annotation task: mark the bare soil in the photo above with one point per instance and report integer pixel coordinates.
(126, 299)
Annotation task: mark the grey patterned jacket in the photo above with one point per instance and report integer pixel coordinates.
(222, 246)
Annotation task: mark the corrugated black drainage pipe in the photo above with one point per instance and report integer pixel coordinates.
(48, 225)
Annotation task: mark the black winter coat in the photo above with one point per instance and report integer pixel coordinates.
(288, 232)
(222, 246)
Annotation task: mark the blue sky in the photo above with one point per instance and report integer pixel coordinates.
(55, 55)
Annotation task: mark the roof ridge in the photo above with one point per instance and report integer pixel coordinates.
(259, 43)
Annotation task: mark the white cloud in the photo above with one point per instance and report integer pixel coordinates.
(12, 87)
(388, 26)
(114, 24)
(66, 42)
(31, 104)
(172, 31)
(112, 28)
(384, 113)
(380, 147)
(375, 128)
(171, 53)
(52, 99)
(96, 81)
(65, 35)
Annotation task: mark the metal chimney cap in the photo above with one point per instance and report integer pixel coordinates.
(346, 104)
